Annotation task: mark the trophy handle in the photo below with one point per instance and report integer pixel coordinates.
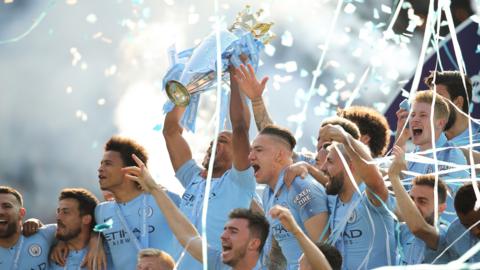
(177, 93)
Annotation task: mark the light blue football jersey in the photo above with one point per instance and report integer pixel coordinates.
(463, 138)
(29, 252)
(73, 262)
(460, 247)
(305, 198)
(363, 232)
(141, 215)
(413, 250)
(235, 189)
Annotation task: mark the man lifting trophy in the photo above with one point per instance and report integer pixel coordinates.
(194, 70)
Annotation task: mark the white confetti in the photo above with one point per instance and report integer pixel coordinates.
(349, 8)
(339, 84)
(350, 77)
(322, 90)
(287, 39)
(81, 115)
(91, 18)
(291, 66)
(386, 9)
(101, 101)
(393, 75)
(303, 73)
(269, 49)
(193, 18)
(110, 71)
(379, 106)
(323, 109)
(76, 56)
(375, 14)
(69, 90)
(333, 98)
(357, 52)
(71, 2)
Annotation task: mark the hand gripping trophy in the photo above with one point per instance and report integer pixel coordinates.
(194, 70)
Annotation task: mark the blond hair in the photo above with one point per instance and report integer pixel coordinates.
(441, 109)
(165, 260)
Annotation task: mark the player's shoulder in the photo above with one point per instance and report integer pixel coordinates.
(299, 184)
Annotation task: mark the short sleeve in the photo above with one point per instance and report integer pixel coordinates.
(243, 179)
(48, 232)
(307, 197)
(187, 172)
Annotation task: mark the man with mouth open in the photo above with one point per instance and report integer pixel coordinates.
(421, 132)
(233, 185)
(16, 251)
(270, 155)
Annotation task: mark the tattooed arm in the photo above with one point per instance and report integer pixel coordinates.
(253, 89)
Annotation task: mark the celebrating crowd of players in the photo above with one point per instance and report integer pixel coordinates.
(337, 208)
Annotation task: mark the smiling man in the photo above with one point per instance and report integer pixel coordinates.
(421, 131)
(16, 251)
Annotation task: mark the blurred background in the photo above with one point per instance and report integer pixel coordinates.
(75, 72)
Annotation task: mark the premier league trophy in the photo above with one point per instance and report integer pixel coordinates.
(194, 70)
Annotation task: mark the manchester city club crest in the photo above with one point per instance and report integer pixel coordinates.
(353, 217)
(34, 250)
(148, 211)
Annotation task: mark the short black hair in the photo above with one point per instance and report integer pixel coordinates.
(372, 123)
(332, 255)
(14, 192)
(281, 133)
(126, 147)
(465, 199)
(257, 223)
(347, 125)
(429, 180)
(86, 201)
(452, 80)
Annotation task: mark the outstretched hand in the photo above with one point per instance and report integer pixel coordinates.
(398, 164)
(140, 174)
(246, 80)
(285, 217)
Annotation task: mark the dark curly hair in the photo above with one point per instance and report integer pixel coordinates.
(371, 123)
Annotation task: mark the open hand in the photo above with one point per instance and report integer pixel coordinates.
(246, 80)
